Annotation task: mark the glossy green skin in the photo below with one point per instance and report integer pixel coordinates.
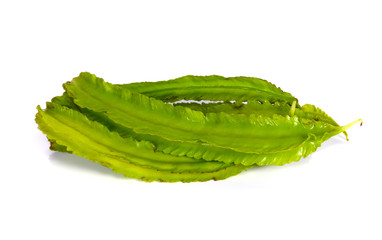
(197, 150)
(213, 88)
(136, 159)
(250, 134)
(218, 88)
(183, 142)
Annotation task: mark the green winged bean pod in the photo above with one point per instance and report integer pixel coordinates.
(213, 88)
(133, 158)
(135, 127)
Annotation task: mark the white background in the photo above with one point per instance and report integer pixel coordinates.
(327, 53)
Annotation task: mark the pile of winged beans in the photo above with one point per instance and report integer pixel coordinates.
(193, 128)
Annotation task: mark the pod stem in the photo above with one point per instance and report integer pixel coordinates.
(346, 127)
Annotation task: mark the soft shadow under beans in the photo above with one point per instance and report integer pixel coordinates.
(75, 162)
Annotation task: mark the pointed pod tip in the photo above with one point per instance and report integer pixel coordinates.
(293, 108)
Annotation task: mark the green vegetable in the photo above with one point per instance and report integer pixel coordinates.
(143, 131)
(213, 88)
(135, 159)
